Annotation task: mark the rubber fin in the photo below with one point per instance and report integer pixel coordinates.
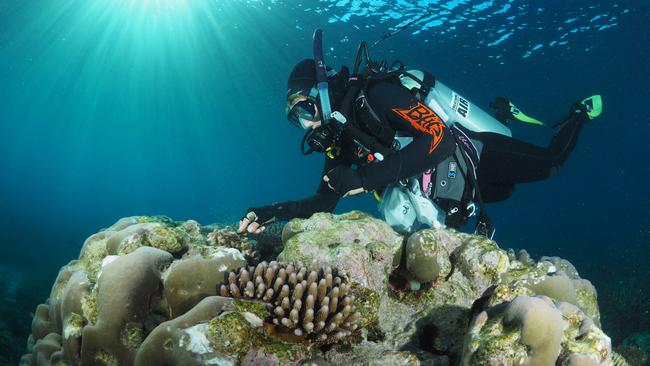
(521, 117)
(594, 105)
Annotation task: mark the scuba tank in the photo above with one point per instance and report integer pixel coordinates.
(452, 107)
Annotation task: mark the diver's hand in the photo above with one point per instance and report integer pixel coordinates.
(249, 224)
(344, 180)
(256, 219)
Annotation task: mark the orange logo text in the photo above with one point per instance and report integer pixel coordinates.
(422, 118)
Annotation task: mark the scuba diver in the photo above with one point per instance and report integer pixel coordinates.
(429, 155)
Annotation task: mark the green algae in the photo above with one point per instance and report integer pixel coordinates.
(165, 239)
(367, 304)
(354, 215)
(132, 335)
(73, 326)
(58, 289)
(92, 260)
(590, 343)
(230, 333)
(129, 246)
(293, 253)
(162, 219)
(493, 272)
(496, 342)
(508, 292)
(104, 358)
(255, 307)
(285, 352)
(90, 306)
(588, 302)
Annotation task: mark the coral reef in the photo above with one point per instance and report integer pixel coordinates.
(152, 291)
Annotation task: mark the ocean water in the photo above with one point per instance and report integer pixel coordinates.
(113, 108)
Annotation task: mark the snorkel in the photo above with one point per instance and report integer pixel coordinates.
(325, 138)
(321, 77)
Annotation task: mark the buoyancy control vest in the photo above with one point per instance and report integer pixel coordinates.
(450, 106)
(448, 183)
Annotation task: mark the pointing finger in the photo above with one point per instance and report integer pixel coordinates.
(252, 227)
(243, 224)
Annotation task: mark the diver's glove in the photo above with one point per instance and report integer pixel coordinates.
(262, 215)
(344, 181)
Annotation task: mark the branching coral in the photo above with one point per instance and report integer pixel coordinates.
(311, 303)
(228, 237)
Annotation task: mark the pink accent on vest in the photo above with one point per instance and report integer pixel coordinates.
(426, 181)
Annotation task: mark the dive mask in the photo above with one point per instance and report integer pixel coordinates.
(303, 110)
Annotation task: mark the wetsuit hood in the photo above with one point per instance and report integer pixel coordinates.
(302, 78)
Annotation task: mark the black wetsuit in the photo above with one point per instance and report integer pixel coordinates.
(432, 142)
(504, 161)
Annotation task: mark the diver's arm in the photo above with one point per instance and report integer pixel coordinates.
(432, 142)
(324, 200)
(408, 162)
(304, 208)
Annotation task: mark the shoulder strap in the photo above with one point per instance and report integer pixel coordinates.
(470, 155)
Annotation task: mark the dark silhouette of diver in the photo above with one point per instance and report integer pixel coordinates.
(414, 142)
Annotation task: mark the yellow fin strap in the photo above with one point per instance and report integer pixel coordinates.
(333, 151)
(377, 196)
(521, 117)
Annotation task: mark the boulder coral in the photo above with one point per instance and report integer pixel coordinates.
(103, 305)
(553, 277)
(161, 347)
(428, 253)
(152, 291)
(367, 248)
(536, 331)
(129, 291)
(195, 277)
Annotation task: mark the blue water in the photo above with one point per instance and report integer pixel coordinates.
(113, 108)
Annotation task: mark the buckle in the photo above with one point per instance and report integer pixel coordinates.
(471, 209)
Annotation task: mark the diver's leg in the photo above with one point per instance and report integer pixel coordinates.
(566, 138)
(506, 161)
